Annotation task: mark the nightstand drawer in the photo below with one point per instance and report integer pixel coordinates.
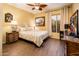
(11, 37)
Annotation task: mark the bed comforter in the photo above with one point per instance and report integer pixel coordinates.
(36, 37)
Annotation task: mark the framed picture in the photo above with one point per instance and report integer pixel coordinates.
(40, 21)
(8, 17)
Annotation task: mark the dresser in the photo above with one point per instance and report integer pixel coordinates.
(72, 46)
(12, 37)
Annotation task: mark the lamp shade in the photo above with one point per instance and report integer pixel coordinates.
(14, 25)
(13, 22)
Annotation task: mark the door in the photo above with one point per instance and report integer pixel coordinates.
(55, 25)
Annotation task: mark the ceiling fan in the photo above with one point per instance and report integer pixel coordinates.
(37, 6)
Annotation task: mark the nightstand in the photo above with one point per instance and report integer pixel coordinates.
(12, 37)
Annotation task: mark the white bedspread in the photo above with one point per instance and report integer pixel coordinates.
(35, 36)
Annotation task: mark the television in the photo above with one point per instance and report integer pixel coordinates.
(74, 24)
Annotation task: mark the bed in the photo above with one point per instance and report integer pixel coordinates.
(34, 36)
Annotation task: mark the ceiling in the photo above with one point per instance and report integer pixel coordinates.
(50, 6)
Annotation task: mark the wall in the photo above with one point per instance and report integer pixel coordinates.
(1, 28)
(70, 12)
(75, 6)
(0, 38)
(22, 17)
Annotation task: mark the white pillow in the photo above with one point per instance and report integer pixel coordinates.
(29, 28)
(23, 29)
(19, 28)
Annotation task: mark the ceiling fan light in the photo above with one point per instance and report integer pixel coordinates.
(37, 7)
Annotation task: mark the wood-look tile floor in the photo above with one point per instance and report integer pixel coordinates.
(50, 47)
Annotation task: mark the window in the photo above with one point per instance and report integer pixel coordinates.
(56, 23)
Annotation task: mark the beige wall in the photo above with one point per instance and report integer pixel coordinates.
(1, 29)
(0, 40)
(75, 6)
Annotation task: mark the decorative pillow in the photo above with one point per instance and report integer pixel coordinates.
(23, 29)
(29, 28)
(19, 28)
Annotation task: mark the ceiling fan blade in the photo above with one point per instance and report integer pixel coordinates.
(30, 4)
(33, 8)
(43, 5)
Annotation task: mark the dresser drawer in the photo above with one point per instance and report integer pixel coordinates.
(72, 48)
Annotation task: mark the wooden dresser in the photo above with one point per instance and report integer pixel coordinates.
(12, 37)
(72, 46)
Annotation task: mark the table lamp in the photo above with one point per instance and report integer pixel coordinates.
(14, 25)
